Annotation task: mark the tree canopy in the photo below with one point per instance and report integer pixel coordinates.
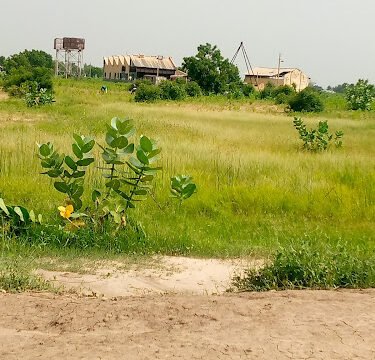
(28, 69)
(211, 70)
(28, 59)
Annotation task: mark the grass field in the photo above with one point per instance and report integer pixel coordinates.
(256, 189)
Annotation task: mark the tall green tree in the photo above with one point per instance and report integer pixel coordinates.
(211, 70)
(29, 69)
(29, 59)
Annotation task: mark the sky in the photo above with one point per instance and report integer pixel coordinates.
(331, 40)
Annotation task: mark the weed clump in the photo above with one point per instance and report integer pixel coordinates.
(306, 266)
(14, 279)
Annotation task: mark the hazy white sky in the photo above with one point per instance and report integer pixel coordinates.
(333, 41)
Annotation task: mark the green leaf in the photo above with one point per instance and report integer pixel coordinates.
(79, 140)
(134, 168)
(88, 146)
(146, 144)
(46, 164)
(19, 212)
(141, 156)
(40, 218)
(67, 174)
(153, 153)
(125, 127)
(140, 192)
(85, 162)
(189, 190)
(121, 142)
(77, 151)
(3, 206)
(147, 178)
(77, 203)
(71, 163)
(45, 150)
(32, 216)
(61, 186)
(78, 174)
(95, 195)
(128, 150)
(54, 173)
(77, 192)
(122, 194)
(114, 122)
(113, 184)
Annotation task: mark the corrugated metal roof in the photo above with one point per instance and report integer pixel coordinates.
(117, 60)
(270, 72)
(152, 62)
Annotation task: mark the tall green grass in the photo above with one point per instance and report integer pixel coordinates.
(257, 189)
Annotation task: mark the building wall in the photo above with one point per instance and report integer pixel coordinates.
(296, 77)
(115, 71)
(260, 82)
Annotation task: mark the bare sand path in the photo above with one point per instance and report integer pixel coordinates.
(284, 325)
(168, 312)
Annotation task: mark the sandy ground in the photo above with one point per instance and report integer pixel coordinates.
(3, 95)
(161, 275)
(168, 312)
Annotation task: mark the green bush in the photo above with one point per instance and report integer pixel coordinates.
(267, 92)
(147, 93)
(360, 96)
(171, 90)
(317, 139)
(235, 91)
(284, 90)
(193, 89)
(248, 89)
(282, 99)
(35, 97)
(308, 100)
(306, 265)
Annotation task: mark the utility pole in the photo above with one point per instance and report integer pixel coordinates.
(278, 69)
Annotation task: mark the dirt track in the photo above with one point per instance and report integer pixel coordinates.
(284, 325)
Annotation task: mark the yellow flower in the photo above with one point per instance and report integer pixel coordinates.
(66, 212)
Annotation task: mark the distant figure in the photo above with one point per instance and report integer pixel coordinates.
(133, 89)
(103, 89)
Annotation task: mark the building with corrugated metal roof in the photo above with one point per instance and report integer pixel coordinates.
(132, 67)
(261, 76)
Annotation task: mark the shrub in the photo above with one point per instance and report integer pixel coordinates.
(248, 89)
(235, 91)
(267, 92)
(308, 100)
(282, 98)
(284, 89)
(307, 266)
(37, 97)
(129, 170)
(193, 89)
(317, 139)
(147, 93)
(360, 96)
(171, 90)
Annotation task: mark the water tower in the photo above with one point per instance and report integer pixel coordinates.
(69, 56)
